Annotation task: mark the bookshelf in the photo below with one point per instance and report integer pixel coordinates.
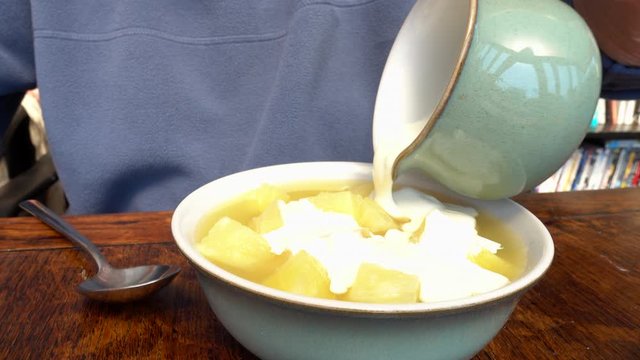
(609, 157)
(613, 132)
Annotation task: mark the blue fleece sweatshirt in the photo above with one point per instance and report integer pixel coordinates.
(146, 100)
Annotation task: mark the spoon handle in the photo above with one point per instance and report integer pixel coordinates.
(37, 209)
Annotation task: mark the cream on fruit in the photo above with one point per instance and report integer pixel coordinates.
(439, 257)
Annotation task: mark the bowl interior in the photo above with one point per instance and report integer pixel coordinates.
(191, 210)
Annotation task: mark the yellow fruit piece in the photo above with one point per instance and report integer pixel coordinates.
(372, 216)
(264, 196)
(302, 274)
(238, 249)
(344, 202)
(375, 284)
(363, 189)
(365, 211)
(269, 220)
(495, 263)
(246, 206)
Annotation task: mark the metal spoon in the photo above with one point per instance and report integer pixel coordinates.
(109, 284)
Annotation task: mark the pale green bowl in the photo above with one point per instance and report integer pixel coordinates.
(278, 325)
(494, 95)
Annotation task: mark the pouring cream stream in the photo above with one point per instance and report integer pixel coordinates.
(386, 151)
(418, 79)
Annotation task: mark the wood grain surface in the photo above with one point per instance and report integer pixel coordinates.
(586, 307)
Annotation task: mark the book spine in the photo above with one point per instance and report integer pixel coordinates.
(630, 109)
(584, 157)
(598, 168)
(620, 168)
(610, 168)
(636, 177)
(590, 160)
(568, 172)
(613, 112)
(629, 170)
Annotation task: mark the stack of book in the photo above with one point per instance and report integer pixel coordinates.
(616, 114)
(616, 165)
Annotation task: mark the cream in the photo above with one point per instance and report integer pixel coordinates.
(439, 257)
(387, 149)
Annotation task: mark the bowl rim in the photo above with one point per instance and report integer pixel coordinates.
(358, 171)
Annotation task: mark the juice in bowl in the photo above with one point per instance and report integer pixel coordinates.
(332, 240)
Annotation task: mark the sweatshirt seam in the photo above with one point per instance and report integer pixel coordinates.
(307, 3)
(137, 31)
(181, 39)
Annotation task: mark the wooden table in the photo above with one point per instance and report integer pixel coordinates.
(586, 307)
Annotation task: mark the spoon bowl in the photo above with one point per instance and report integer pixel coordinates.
(110, 284)
(124, 285)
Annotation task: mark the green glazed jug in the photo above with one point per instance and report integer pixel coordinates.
(487, 97)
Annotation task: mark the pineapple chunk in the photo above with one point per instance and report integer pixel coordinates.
(269, 220)
(495, 263)
(373, 217)
(302, 274)
(367, 212)
(238, 249)
(344, 202)
(364, 189)
(264, 196)
(375, 284)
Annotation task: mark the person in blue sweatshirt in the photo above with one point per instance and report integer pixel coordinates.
(146, 100)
